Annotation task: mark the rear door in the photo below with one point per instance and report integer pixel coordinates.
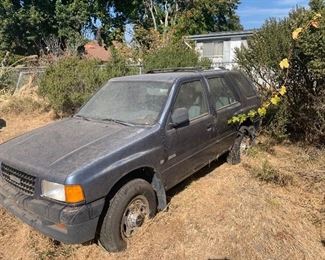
(188, 146)
(226, 103)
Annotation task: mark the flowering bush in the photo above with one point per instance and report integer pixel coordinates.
(287, 61)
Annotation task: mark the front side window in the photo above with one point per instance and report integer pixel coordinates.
(221, 93)
(191, 96)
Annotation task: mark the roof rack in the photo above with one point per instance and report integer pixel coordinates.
(178, 69)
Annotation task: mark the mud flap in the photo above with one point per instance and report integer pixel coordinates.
(160, 191)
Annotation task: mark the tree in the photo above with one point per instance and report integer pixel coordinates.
(302, 114)
(26, 24)
(209, 16)
(265, 48)
(173, 56)
(23, 24)
(183, 16)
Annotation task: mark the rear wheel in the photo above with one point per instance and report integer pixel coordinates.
(245, 140)
(131, 206)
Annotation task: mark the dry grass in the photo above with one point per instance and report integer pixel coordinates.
(267, 173)
(24, 101)
(22, 105)
(221, 212)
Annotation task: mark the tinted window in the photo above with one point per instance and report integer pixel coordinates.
(243, 84)
(191, 96)
(221, 93)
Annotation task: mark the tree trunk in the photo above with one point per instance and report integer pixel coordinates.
(151, 7)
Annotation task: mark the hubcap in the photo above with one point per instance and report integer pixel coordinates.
(134, 215)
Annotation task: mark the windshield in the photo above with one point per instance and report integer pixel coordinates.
(136, 102)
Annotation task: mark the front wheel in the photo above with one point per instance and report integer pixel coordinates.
(131, 206)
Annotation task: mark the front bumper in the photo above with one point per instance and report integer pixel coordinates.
(68, 224)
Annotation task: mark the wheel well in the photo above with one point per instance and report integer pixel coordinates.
(145, 173)
(246, 123)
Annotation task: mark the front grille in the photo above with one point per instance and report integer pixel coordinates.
(20, 180)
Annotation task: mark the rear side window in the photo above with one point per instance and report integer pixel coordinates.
(241, 82)
(191, 96)
(221, 93)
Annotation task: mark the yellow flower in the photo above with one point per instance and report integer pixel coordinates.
(283, 90)
(295, 33)
(318, 15)
(266, 104)
(261, 111)
(252, 113)
(284, 64)
(275, 100)
(314, 24)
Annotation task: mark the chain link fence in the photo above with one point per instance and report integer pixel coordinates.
(17, 77)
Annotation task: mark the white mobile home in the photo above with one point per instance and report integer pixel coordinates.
(220, 46)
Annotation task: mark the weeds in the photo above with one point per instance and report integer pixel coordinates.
(55, 251)
(267, 173)
(252, 152)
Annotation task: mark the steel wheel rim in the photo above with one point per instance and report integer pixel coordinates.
(134, 215)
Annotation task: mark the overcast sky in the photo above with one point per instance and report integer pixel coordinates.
(254, 12)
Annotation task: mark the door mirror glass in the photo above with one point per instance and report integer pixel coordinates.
(180, 117)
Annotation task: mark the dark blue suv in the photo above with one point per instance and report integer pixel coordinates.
(101, 173)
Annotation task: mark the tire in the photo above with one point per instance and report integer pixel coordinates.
(132, 204)
(247, 135)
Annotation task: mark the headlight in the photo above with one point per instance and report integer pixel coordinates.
(66, 193)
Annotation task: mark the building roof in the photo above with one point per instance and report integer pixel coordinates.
(221, 35)
(94, 51)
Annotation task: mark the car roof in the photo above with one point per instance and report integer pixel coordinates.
(168, 77)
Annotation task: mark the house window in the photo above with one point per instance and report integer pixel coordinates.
(212, 49)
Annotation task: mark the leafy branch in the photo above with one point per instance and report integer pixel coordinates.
(277, 95)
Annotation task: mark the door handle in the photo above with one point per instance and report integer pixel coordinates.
(209, 128)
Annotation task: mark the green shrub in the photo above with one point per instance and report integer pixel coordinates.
(302, 115)
(173, 56)
(68, 83)
(276, 122)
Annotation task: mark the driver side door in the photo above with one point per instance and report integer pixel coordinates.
(188, 146)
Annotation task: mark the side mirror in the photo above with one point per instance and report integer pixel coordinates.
(2, 123)
(180, 117)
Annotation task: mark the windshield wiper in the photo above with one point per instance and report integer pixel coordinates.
(117, 121)
(82, 117)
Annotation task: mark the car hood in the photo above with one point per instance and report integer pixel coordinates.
(65, 146)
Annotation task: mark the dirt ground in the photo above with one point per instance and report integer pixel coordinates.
(222, 212)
